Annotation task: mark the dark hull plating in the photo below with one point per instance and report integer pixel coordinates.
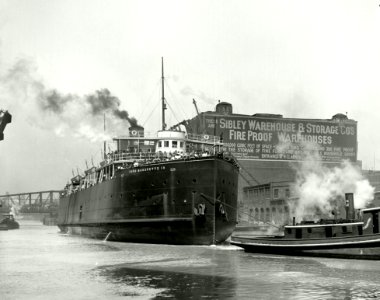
(173, 202)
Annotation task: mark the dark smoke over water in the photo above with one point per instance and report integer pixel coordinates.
(81, 116)
(102, 101)
(52, 100)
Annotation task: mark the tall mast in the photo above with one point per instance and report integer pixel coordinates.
(104, 127)
(163, 94)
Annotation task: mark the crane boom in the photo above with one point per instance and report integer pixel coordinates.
(196, 107)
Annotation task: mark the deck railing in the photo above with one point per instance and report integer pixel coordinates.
(206, 138)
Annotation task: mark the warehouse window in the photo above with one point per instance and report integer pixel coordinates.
(250, 194)
(267, 192)
(262, 216)
(275, 193)
(267, 214)
(261, 193)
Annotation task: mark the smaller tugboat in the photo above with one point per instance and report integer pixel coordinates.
(9, 222)
(349, 238)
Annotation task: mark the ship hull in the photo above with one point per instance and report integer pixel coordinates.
(174, 202)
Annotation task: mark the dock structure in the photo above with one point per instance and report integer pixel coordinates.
(5, 118)
(31, 202)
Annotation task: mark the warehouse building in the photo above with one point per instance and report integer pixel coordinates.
(269, 148)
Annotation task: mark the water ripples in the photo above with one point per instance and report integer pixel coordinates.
(39, 263)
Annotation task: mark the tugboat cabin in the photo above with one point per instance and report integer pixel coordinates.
(336, 228)
(371, 220)
(323, 230)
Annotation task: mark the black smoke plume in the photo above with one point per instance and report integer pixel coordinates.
(23, 92)
(102, 101)
(54, 101)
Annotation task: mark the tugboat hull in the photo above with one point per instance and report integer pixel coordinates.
(363, 247)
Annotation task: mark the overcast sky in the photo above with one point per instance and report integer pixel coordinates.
(301, 59)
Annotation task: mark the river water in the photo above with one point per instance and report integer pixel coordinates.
(37, 262)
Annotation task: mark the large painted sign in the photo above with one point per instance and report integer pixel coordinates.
(284, 139)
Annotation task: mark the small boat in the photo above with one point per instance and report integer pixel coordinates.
(327, 238)
(9, 222)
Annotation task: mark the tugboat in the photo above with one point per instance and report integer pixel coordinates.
(9, 222)
(171, 188)
(349, 238)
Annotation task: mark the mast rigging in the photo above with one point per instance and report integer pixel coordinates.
(163, 94)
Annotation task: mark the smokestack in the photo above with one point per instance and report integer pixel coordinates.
(136, 130)
(350, 209)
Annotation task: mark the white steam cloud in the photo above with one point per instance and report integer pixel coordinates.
(320, 189)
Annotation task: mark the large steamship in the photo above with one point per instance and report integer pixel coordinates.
(173, 188)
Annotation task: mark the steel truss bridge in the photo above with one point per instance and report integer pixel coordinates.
(34, 202)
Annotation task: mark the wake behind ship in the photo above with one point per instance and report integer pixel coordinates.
(172, 188)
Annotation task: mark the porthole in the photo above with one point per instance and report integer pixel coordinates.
(178, 181)
(194, 180)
